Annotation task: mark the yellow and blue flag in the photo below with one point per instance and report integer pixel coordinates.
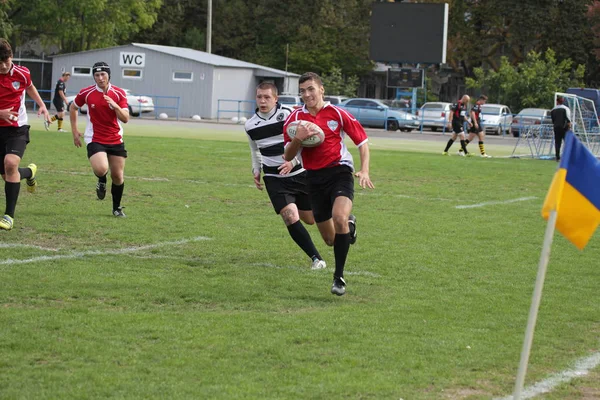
(575, 193)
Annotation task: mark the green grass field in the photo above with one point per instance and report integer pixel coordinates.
(201, 294)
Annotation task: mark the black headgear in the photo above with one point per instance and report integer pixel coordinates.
(101, 66)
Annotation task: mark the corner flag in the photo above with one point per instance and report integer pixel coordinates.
(575, 193)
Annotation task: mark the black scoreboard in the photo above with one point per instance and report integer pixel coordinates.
(405, 77)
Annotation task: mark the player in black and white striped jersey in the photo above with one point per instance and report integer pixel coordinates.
(285, 181)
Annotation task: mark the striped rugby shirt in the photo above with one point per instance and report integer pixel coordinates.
(265, 136)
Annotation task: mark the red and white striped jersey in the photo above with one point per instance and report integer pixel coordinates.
(103, 125)
(336, 123)
(12, 93)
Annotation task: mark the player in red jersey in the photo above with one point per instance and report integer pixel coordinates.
(329, 169)
(107, 107)
(15, 81)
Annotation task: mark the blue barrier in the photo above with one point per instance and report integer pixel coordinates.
(242, 108)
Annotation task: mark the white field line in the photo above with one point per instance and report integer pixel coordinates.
(492, 203)
(582, 367)
(269, 265)
(155, 179)
(81, 254)
(13, 245)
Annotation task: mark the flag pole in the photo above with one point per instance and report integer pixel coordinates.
(535, 304)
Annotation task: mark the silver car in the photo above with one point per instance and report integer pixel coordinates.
(434, 115)
(496, 119)
(375, 113)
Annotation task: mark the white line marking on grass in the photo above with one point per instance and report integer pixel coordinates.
(81, 254)
(491, 203)
(402, 196)
(13, 245)
(583, 366)
(270, 265)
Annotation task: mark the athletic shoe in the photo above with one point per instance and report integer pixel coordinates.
(460, 153)
(484, 155)
(318, 264)
(445, 153)
(61, 130)
(469, 154)
(32, 182)
(339, 286)
(119, 212)
(101, 190)
(6, 222)
(46, 124)
(352, 226)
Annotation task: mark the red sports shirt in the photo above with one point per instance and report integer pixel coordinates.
(12, 93)
(336, 123)
(103, 125)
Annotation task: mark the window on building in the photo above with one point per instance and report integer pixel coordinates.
(82, 71)
(132, 73)
(183, 76)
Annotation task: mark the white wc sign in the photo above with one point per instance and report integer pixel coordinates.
(127, 59)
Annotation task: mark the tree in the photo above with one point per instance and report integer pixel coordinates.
(76, 25)
(336, 84)
(531, 83)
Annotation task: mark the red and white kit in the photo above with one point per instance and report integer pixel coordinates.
(12, 96)
(103, 125)
(336, 123)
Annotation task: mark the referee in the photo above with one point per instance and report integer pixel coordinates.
(561, 119)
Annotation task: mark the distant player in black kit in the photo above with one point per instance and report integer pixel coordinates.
(476, 129)
(59, 100)
(285, 180)
(458, 116)
(561, 119)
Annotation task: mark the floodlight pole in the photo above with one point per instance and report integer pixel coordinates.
(209, 26)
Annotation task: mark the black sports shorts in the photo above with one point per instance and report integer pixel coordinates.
(13, 141)
(284, 191)
(110, 149)
(325, 185)
(58, 104)
(457, 127)
(475, 130)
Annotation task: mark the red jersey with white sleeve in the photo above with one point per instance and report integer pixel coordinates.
(103, 125)
(336, 123)
(12, 94)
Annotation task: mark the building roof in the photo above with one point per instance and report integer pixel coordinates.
(205, 58)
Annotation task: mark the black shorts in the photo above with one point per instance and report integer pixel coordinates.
(475, 130)
(284, 191)
(13, 141)
(457, 127)
(109, 149)
(58, 104)
(325, 185)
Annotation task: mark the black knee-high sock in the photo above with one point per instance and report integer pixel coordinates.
(117, 194)
(341, 246)
(302, 238)
(467, 141)
(11, 189)
(102, 179)
(25, 173)
(450, 142)
(464, 146)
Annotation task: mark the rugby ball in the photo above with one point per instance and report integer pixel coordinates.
(312, 141)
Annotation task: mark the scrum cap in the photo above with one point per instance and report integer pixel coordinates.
(101, 66)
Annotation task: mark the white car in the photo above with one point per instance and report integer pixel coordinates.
(434, 115)
(496, 118)
(137, 104)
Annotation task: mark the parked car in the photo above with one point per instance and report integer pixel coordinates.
(336, 100)
(375, 113)
(496, 118)
(137, 104)
(434, 115)
(527, 117)
(291, 100)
